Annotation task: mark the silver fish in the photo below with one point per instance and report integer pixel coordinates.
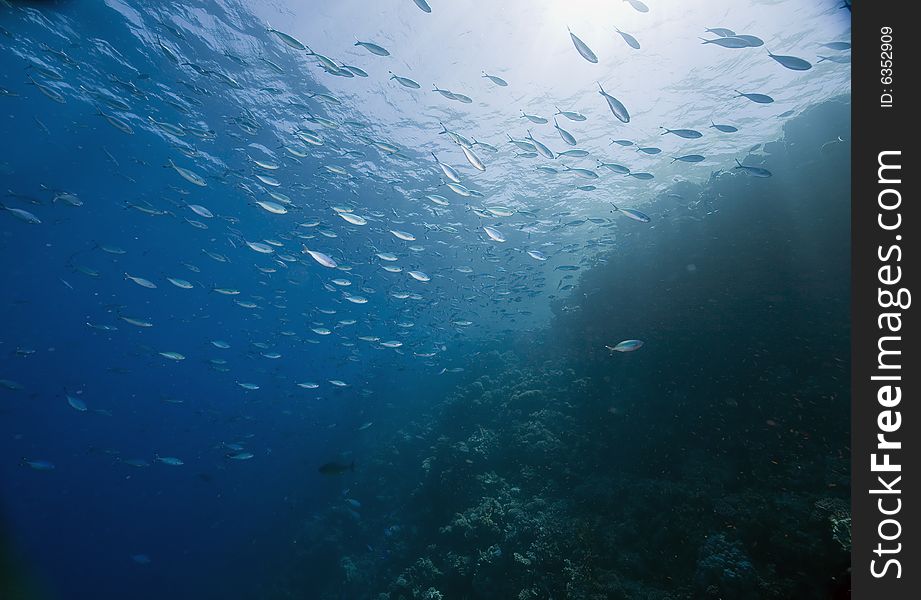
(616, 106)
(583, 49)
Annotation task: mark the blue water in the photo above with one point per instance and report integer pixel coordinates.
(429, 368)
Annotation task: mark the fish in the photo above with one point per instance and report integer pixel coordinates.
(408, 237)
(638, 6)
(287, 39)
(321, 258)
(116, 122)
(48, 91)
(619, 110)
(355, 70)
(405, 81)
(567, 137)
(582, 48)
(272, 207)
(753, 171)
(141, 281)
(631, 41)
(239, 455)
(37, 464)
(571, 115)
(201, 211)
(135, 321)
(473, 159)
(172, 356)
(333, 468)
(837, 45)
(723, 128)
(757, 98)
(76, 403)
(688, 134)
(260, 247)
(791, 62)
(688, 158)
(616, 168)
(423, 6)
(627, 346)
(169, 460)
(633, 214)
(495, 79)
(526, 145)
(353, 219)
(373, 48)
(23, 215)
(721, 31)
(728, 42)
(190, 176)
(537, 255)
(583, 173)
(533, 118)
(486, 146)
(539, 147)
(449, 172)
(494, 234)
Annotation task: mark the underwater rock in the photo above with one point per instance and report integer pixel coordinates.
(724, 571)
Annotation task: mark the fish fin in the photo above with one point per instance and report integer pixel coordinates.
(737, 162)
